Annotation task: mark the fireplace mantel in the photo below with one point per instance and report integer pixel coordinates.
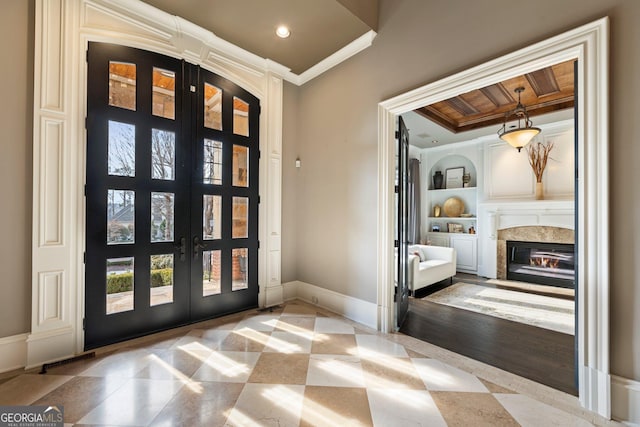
(503, 214)
(496, 215)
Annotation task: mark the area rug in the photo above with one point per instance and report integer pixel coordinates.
(536, 310)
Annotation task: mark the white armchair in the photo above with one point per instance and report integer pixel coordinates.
(430, 264)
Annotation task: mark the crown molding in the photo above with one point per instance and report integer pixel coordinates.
(181, 30)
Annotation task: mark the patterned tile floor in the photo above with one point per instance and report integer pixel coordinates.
(296, 366)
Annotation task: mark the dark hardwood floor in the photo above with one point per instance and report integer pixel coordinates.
(542, 355)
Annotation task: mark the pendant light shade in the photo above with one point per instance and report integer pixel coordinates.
(521, 135)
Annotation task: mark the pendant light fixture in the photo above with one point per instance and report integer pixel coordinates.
(519, 136)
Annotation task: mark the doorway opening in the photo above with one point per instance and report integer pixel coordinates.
(588, 46)
(468, 176)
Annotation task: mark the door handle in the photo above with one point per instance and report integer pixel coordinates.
(197, 245)
(182, 247)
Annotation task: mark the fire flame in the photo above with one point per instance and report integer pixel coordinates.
(544, 262)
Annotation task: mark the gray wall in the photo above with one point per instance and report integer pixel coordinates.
(16, 127)
(418, 42)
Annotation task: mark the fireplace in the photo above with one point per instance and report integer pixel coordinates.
(541, 262)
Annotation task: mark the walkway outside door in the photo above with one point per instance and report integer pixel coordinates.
(171, 195)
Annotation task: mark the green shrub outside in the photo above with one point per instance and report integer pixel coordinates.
(123, 282)
(162, 277)
(119, 283)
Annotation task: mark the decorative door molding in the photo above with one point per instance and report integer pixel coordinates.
(589, 44)
(63, 30)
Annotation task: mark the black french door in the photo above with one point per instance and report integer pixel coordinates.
(402, 214)
(171, 194)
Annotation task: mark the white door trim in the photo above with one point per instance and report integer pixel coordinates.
(588, 44)
(63, 29)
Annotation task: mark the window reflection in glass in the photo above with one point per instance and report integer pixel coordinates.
(162, 217)
(212, 168)
(161, 278)
(122, 85)
(163, 154)
(239, 263)
(211, 217)
(240, 227)
(164, 93)
(211, 267)
(120, 216)
(212, 107)
(240, 166)
(240, 117)
(122, 149)
(119, 285)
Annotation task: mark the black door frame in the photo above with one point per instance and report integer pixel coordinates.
(402, 286)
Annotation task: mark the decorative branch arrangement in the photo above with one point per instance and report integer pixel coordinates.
(538, 156)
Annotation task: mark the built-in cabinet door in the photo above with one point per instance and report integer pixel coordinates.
(466, 251)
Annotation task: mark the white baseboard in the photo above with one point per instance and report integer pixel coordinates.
(13, 352)
(352, 308)
(625, 401)
(49, 346)
(273, 295)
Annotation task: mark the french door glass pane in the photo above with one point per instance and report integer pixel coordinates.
(211, 217)
(122, 85)
(240, 117)
(122, 149)
(211, 267)
(240, 166)
(212, 168)
(163, 154)
(212, 107)
(119, 285)
(164, 93)
(239, 262)
(161, 279)
(240, 218)
(162, 217)
(120, 216)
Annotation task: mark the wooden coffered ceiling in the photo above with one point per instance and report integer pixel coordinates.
(547, 90)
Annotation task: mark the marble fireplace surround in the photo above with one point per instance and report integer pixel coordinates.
(547, 221)
(537, 233)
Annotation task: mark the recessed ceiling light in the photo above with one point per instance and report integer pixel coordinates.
(283, 32)
(435, 141)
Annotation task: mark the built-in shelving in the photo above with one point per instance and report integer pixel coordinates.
(457, 218)
(464, 243)
(453, 190)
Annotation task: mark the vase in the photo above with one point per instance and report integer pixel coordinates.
(437, 180)
(539, 191)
